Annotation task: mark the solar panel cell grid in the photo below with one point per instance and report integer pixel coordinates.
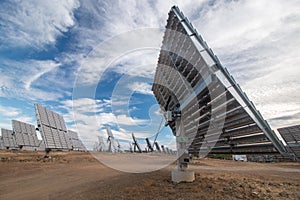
(57, 122)
(30, 136)
(16, 126)
(19, 139)
(12, 141)
(62, 123)
(290, 134)
(43, 116)
(5, 137)
(63, 139)
(51, 118)
(56, 138)
(48, 137)
(1, 143)
(68, 139)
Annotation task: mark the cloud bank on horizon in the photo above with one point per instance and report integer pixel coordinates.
(46, 45)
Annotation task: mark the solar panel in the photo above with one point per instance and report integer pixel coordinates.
(68, 140)
(109, 133)
(168, 150)
(291, 136)
(136, 144)
(1, 143)
(163, 148)
(100, 145)
(149, 144)
(201, 100)
(157, 146)
(52, 127)
(75, 141)
(112, 146)
(25, 134)
(81, 146)
(9, 141)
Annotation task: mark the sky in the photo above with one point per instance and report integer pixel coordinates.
(94, 61)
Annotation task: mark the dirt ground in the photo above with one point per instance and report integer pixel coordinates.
(77, 175)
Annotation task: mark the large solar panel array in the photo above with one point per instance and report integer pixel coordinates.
(217, 115)
(52, 127)
(75, 142)
(9, 141)
(291, 136)
(25, 134)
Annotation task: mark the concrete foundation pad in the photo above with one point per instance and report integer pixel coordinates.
(183, 176)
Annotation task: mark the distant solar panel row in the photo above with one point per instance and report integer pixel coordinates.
(25, 134)
(217, 116)
(52, 127)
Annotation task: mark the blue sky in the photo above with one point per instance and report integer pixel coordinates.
(94, 62)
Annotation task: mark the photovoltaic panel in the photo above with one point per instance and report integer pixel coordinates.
(1, 143)
(68, 140)
(25, 134)
(57, 121)
(48, 137)
(81, 146)
(73, 135)
(63, 139)
(8, 139)
(136, 144)
(62, 123)
(108, 130)
(56, 137)
(157, 146)
(216, 115)
(75, 141)
(52, 127)
(291, 136)
(150, 148)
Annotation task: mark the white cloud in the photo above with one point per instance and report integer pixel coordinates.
(23, 77)
(132, 53)
(35, 23)
(25, 119)
(140, 87)
(86, 105)
(38, 69)
(8, 113)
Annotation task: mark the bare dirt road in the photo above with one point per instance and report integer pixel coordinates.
(77, 175)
